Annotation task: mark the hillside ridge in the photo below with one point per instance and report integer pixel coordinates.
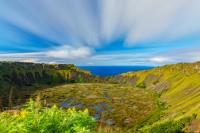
(21, 73)
(177, 85)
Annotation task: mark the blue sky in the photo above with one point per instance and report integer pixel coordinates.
(100, 32)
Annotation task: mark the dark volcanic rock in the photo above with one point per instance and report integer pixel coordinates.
(30, 77)
(47, 78)
(15, 79)
(23, 79)
(37, 76)
(6, 77)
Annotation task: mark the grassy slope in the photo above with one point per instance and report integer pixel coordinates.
(19, 67)
(130, 105)
(179, 86)
(59, 74)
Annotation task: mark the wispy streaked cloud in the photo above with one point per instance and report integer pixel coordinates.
(174, 56)
(77, 31)
(179, 55)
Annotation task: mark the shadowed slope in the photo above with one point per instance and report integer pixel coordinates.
(18, 80)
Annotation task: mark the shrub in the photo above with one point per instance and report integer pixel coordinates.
(155, 82)
(35, 118)
(79, 79)
(169, 126)
(141, 85)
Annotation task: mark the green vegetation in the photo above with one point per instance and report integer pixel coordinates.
(171, 126)
(155, 82)
(156, 115)
(17, 73)
(35, 118)
(141, 85)
(79, 79)
(177, 86)
(162, 99)
(123, 105)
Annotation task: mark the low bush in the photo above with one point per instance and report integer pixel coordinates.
(141, 85)
(169, 126)
(37, 119)
(79, 79)
(155, 82)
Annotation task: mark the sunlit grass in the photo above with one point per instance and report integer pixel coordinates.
(35, 118)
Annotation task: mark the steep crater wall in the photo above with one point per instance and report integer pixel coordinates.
(30, 73)
(177, 85)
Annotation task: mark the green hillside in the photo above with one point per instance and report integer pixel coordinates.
(177, 85)
(22, 79)
(19, 73)
(163, 99)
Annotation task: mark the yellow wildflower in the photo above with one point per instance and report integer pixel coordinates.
(24, 113)
(16, 115)
(54, 106)
(69, 110)
(73, 110)
(86, 110)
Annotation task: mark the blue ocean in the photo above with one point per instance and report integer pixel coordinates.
(112, 70)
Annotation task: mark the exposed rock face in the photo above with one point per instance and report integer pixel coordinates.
(31, 78)
(31, 73)
(129, 80)
(132, 80)
(23, 78)
(120, 79)
(150, 80)
(37, 76)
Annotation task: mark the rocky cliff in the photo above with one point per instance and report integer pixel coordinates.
(18, 73)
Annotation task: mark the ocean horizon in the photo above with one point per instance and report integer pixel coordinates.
(113, 70)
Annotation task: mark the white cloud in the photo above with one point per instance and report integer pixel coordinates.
(70, 52)
(52, 62)
(159, 59)
(80, 23)
(62, 54)
(29, 60)
(59, 21)
(22, 57)
(175, 56)
(90, 63)
(149, 20)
